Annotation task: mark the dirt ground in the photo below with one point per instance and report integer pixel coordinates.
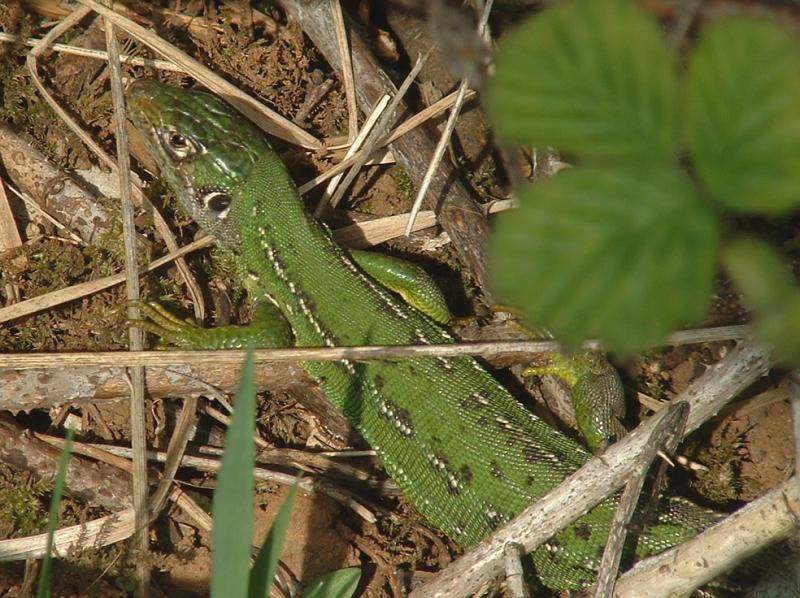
(747, 450)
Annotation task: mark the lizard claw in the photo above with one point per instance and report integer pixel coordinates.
(159, 321)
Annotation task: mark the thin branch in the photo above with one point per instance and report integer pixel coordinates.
(31, 204)
(516, 587)
(48, 300)
(356, 144)
(428, 113)
(308, 483)
(609, 565)
(444, 140)
(794, 398)
(347, 70)
(175, 452)
(98, 532)
(406, 127)
(438, 154)
(236, 356)
(376, 137)
(162, 65)
(137, 403)
(372, 232)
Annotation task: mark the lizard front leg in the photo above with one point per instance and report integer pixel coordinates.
(268, 329)
(408, 280)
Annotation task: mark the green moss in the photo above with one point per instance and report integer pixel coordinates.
(404, 183)
(23, 510)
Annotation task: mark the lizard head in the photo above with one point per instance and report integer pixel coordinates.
(203, 147)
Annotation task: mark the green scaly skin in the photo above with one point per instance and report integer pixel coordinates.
(464, 451)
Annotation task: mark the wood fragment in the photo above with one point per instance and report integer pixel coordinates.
(94, 484)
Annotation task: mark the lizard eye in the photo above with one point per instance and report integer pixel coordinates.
(177, 144)
(177, 141)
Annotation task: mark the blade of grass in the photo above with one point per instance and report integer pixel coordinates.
(341, 583)
(58, 491)
(232, 510)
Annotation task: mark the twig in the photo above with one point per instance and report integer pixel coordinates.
(444, 140)
(438, 154)
(314, 95)
(162, 65)
(794, 398)
(9, 239)
(41, 302)
(32, 62)
(137, 403)
(236, 356)
(175, 452)
(428, 113)
(356, 144)
(96, 484)
(347, 70)
(121, 459)
(513, 554)
(609, 565)
(99, 532)
(375, 137)
(262, 474)
(46, 382)
(373, 232)
(35, 207)
(406, 127)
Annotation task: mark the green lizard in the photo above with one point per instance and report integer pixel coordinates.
(464, 451)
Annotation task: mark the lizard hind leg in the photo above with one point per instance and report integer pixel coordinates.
(598, 397)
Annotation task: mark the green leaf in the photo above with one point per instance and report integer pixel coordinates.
(625, 254)
(232, 510)
(336, 584)
(769, 290)
(742, 122)
(591, 78)
(267, 561)
(43, 590)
